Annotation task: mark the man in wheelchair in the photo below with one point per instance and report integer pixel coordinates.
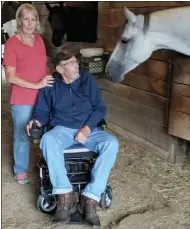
(73, 108)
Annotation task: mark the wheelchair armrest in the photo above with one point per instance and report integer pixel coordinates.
(36, 132)
(102, 124)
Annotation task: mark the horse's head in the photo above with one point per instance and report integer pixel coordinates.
(125, 55)
(58, 21)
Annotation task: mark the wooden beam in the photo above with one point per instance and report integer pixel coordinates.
(110, 34)
(155, 86)
(145, 129)
(42, 10)
(181, 89)
(179, 124)
(177, 150)
(129, 136)
(162, 55)
(103, 5)
(149, 4)
(116, 16)
(181, 70)
(135, 109)
(180, 103)
(146, 98)
(150, 68)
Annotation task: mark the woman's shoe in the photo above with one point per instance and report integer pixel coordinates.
(21, 178)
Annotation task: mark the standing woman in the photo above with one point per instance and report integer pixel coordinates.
(25, 64)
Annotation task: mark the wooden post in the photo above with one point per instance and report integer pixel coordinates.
(178, 149)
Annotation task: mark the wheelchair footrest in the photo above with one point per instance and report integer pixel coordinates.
(76, 218)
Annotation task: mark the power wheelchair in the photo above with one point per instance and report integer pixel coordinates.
(78, 162)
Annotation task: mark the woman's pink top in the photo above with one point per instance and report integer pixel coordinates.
(30, 64)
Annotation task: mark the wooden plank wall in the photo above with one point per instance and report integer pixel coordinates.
(179, 121)
(46, 31)
(140, 102)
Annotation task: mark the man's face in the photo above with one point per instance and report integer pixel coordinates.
(70, 68)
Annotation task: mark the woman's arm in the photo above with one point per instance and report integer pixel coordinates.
(10, 72)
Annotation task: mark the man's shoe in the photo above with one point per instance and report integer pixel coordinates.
(65, 207)
(88, 209)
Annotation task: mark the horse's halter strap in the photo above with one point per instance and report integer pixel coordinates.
(123, 26)
(146, 22)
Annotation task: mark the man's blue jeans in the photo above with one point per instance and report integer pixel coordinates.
(21, 115)
(59, 138)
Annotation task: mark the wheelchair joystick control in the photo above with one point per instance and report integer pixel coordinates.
(36, 131)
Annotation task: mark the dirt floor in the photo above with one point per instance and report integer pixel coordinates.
(148, 193)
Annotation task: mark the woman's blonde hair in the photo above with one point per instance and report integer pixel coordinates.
(30, 8)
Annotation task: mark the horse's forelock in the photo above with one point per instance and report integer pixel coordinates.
(145, 24)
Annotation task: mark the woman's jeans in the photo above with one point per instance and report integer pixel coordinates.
(21, 115)
(59, 138)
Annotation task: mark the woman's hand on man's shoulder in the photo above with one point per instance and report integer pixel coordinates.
(47, 81)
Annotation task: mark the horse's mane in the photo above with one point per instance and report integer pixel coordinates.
(147, 16)
(146, 22)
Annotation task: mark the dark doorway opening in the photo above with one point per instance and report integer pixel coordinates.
(77, 21)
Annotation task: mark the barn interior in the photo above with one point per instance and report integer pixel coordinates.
(149, 111)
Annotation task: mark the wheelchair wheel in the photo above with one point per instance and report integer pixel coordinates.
(106, 198)
(45, 207)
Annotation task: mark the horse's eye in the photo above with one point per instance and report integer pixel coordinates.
(123, 41)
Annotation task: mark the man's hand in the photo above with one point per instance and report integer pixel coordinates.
(82, 134)
(29, 126)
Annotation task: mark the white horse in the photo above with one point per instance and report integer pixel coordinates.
(143, 34)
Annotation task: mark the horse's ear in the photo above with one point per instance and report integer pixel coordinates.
(130, 15)
(48, 6)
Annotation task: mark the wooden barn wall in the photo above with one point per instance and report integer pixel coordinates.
(179, 117)
(140, 102)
